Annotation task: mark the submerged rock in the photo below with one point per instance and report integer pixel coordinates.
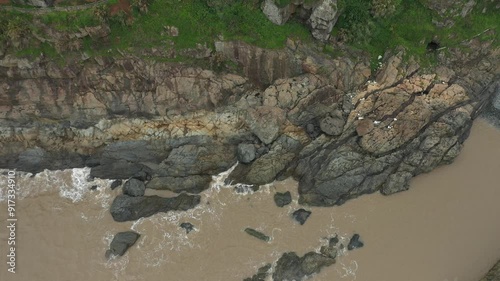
(187, 226)
(257, 234)
(128, 208)
(134, 187)
(261, 274)
(355, 243)
(282, 199)
(121, 242)
(292, 267)
(301, 215)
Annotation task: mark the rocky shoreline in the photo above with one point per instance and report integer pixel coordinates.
(336, 125)
(329, 123)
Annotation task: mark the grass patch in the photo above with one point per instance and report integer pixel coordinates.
(199, 23)
(412, 27)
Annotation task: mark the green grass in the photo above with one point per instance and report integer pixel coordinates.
(70, 21)
(411, 27)
(198, 23)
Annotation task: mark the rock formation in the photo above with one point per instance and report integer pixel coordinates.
(342, 131)
(128, 208)
(121, 242)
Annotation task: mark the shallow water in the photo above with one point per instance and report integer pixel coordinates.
(445, 227)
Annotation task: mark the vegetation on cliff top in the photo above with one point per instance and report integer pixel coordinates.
(370, 25)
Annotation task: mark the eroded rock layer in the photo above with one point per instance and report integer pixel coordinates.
(335, 126)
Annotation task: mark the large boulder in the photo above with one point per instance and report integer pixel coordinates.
(292, 267)
(275, 13)
(266, 122)
(246, 153)
(127, 208)
(121, 242)
(134, 187)
(323, 18)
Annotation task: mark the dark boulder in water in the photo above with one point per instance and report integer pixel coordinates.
(301, 215)
(355, 243)
(128, 208)
(134, 187)
(282, 199)
(121, 242)
(261, 274)
(187, 226)
(115, 184)
(292, 267)
(257, 234)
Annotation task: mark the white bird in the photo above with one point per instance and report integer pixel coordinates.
(395, 119)
(376, 122)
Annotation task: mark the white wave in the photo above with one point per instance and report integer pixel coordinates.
(78, 187)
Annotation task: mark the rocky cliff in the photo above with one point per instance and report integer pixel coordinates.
(335, 126)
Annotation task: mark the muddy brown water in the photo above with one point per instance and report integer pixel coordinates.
(445, 228)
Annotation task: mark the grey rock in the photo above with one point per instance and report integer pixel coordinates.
(266, 168)
(277, 15)
(292, 267)
(134, 187)
(121, 169)
(191, 184)
(257, 234)
(261, 151)
(355, 243)
(122, 242)
(115, 184)
(188, 160)
(301, 215)
(246, 153)
(282, 199)
(329, 251)
(323, 18)
(312, 130)
(261, 274)
(265, 122)
(332, 126)
(127, 208)
(333, 241)
(397, 182)
(187, 226)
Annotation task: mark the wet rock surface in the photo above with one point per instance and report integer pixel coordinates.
(301, 216)
(355, 242)
(121, 243)
(134, 187)
(115, 184)
(261, 274)
(292, 267)
(187, 226)
(128, 208)
(282, 199)
(257, 234)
